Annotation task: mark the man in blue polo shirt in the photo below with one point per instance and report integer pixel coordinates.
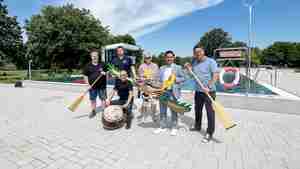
(123, 62)
(206, 69)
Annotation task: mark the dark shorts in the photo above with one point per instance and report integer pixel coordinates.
(101, 93)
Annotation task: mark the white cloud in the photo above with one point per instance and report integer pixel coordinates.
(139, 17)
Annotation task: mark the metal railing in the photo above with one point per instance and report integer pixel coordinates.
(272, 72)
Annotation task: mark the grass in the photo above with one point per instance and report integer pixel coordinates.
(39, 75)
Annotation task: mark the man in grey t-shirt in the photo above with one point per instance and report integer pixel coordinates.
(206, 70)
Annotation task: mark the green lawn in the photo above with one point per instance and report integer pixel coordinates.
(40, 75)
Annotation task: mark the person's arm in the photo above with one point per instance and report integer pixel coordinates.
(161, 73)
(111, 95)
(156, 73)
(129, 99)
(215, 73)
(214, 79)
(113, 92)
(141, 72)
(133, 71)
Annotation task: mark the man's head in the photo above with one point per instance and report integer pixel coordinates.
(199, 52)
(169, 57)
(120, 51)
(147, 58)
(94, 54)
(123, 75)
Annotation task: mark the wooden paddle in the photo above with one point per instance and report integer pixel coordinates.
(79, 99)
(224, 117)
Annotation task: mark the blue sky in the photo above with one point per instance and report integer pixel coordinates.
(178, 26)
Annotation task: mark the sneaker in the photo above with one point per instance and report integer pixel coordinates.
(174, 132)
(92, 114)
(159, 130)
(206, 138)
(127, 127)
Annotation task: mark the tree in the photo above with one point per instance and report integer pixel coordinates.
(11, 43)
(122, 39)
(297, 62)
(159, 60)
(256, 56)
(282, 53)
(62, 36)
(237, 44)
(216, 38)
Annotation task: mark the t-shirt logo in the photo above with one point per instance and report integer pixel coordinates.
(124, 61)
(148, 73)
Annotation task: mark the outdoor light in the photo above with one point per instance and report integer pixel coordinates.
(29, 68)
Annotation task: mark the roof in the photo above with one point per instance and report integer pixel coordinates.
(124, 45)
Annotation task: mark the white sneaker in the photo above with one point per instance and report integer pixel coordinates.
(159, 130)
(174, 132)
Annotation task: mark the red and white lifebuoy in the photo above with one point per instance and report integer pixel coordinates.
(236, 80)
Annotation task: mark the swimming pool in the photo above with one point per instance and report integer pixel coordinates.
(241, 88)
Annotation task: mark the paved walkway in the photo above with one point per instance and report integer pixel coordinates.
(36, 131)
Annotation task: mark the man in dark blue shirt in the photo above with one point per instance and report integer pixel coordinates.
(123, 62)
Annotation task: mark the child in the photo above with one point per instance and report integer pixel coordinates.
(124, 89)
(91, 72)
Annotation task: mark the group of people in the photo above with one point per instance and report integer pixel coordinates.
(204, 67)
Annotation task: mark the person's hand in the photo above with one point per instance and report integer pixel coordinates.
(107, 102)
(124, 106)
(88, 85)
(206, 90)
(103, 73)
(188, 66)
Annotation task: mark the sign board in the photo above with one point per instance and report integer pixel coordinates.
(230, 54)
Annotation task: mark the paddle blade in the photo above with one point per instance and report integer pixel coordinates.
(224, 117)
(76, 103)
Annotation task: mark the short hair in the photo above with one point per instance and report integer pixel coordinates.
(169, 52)
(94, 50)
(199, 46)
(119, 47)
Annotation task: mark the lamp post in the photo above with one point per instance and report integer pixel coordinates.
(250, 5)
(29, 68)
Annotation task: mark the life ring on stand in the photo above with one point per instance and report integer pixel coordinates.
(236, 80)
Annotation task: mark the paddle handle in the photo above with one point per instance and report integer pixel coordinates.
(93, 84)
(200, 83)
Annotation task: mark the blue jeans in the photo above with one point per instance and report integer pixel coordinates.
(163, 112)
(101, 93)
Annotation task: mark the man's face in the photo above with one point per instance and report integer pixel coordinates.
(169, 58)
(199, 53)
(120, 52)
(94, 56)
(123, 76)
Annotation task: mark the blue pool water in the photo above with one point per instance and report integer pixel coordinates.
(240, 88)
